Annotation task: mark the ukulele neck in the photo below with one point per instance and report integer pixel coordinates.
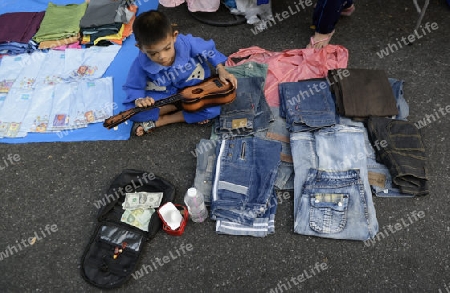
(166, 101)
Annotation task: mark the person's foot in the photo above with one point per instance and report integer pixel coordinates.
(141, 128)
(348, 11)
(203, 122)
(318, 41)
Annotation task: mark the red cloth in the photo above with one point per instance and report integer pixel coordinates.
(19, 27)
(292, 65)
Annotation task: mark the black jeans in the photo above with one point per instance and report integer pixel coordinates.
(402, 151)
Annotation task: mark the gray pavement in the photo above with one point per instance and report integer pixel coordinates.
(56, 184)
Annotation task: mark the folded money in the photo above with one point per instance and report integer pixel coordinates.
(139, 218)
(142, 200)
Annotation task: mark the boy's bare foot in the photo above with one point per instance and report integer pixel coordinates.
(318, 41)
(141, 128)
(203, 122)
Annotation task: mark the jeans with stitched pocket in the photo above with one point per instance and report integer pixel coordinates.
(331, 167)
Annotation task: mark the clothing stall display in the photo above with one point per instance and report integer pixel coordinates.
(329, 159)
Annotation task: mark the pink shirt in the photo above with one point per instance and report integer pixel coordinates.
(292, 65)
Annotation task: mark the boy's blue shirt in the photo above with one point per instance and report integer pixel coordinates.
(192, 54)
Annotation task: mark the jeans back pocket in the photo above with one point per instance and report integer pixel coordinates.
(328, 212)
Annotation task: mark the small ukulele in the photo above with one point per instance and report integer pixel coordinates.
(210, 92)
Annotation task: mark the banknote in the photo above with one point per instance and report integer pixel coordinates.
(139, 218)
(142, 200)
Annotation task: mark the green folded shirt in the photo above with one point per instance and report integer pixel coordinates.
(60, 22)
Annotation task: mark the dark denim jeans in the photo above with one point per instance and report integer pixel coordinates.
(307, 105)
(248, 113)
(404, 153)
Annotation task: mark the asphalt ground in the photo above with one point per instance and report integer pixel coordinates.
(55, 185)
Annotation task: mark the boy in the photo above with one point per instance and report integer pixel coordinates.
(168, 62)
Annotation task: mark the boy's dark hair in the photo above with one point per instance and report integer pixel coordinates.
(151, 27)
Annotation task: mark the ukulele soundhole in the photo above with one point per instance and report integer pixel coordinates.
(197, 91)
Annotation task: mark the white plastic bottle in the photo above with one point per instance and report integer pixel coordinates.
(195, 203)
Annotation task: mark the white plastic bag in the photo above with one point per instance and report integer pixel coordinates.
(171, 3)
(203, 5)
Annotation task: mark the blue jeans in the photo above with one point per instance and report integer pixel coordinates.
(248, 113)
(402, 105)
(307, 105)
(277, 131)
(334, 205)
(205, 153)
(246, 169)
(340, 151)
(261, 227)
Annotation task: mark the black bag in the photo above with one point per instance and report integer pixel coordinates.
(114, 250)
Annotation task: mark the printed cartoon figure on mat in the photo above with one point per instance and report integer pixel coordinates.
(27, 83)
(13, 129)
(40, 124)
(61, 120)
(5, 85)
(100, 115)
(85, 70)
(80, 120)
(52, 79)
(3, 128)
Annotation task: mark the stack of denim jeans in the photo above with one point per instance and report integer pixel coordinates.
(332, 195)
(237, 171)
(243, 198)
(248, 114)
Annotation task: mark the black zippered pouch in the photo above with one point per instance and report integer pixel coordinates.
(115, 247)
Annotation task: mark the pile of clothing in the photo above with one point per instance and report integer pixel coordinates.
(337, 160)
(107, 22)
(17, 30)
(334, 146)
(94, 22)
(60, 26)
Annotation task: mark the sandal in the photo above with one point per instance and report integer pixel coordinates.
(312, 43)
(147, 127)
(348, 11)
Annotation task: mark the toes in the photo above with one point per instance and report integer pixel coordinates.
(139, 131)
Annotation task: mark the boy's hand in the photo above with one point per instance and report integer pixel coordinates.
(225, 76)
(144, 102)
